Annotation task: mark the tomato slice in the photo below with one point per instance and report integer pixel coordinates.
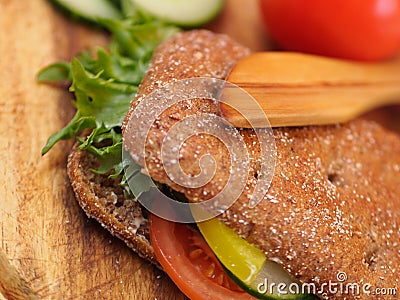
(190, 263)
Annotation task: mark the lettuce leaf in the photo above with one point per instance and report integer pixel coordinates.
(104, 83)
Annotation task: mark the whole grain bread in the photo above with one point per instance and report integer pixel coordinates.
(333, 205)
(102, 198)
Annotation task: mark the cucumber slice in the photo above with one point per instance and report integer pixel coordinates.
(89, 10)
(265, 285)
(248, 266)
(181, 12)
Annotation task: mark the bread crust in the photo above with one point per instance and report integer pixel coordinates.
(333, 205)
(102, 198)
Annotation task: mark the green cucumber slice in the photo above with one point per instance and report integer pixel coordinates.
(265, 284)
(181, 12)
(89, 10)
(248, 266)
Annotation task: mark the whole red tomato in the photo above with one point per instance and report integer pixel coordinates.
(351, 29)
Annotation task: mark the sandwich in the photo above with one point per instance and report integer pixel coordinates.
(330, 218)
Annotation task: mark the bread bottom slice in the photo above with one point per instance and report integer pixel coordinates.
(102, 198)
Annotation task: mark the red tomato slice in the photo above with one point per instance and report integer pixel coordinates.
(189, 261)
(355, 29)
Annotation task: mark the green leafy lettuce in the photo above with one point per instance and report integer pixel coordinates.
(104, 83)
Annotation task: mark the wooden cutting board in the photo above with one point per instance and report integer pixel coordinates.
(48, 248)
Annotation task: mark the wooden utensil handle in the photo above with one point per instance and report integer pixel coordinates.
(297, 68)
(300, 89)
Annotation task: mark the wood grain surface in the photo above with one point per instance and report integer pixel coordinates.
(48, 248)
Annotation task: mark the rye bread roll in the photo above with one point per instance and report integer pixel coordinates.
(333, 205)
(103, 199)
